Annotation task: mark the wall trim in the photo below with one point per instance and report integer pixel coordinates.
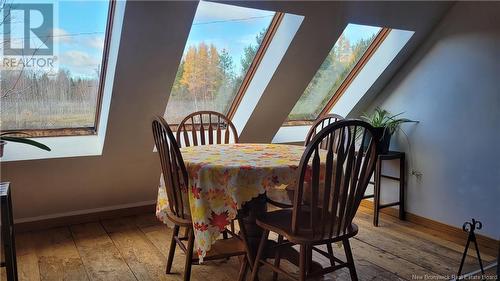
(488, 245)
(83, 216)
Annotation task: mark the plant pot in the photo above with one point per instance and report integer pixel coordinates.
(384, 137)
(2, 143)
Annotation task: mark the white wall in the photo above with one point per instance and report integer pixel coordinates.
(452, 86)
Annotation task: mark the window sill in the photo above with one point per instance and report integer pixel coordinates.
(71, 146)
(291, 134)
(298, 123)
(40, 133)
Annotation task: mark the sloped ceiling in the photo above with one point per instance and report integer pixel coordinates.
(153, 38)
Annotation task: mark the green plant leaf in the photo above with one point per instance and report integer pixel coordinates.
(25, 141)
(14, 133)
(382, 118)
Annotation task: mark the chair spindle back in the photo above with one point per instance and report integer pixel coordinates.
(206, 127)
(319, 125)
(334, 179)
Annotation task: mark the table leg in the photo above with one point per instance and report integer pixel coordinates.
(249, 213)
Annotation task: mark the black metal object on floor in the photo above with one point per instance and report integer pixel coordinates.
(470, 227)
(9, 244)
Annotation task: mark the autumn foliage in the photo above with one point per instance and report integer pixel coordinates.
(208, 79)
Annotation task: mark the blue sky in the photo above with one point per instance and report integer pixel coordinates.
(356, 32)
(81, 35)
(79, 29)
(228, 27)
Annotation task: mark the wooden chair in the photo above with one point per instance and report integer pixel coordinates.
(176, 181)
(206, 127)
(319, 125)
(276, 198)
(195, 128)
(333, 199)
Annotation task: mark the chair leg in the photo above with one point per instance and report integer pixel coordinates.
(277, 258)
(171, 250)
(260, 251)
(189, 255)
(330, 252)
(303, 262)
(376, 197)
(243, 269)
(232, 226)
(243, 235)
(350, 260)
(309, 259)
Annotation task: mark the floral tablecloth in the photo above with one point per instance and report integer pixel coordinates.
(223, 177)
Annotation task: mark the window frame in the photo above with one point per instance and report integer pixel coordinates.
(83, 131)
(377, 41)
(266, 41)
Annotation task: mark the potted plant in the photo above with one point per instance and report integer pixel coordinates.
(13, 136)
(385, 125)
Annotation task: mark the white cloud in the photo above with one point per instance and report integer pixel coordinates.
(219, 42)
(79, 63)
(248, 39)
(96, 42)
(61, 36)
(78, 58)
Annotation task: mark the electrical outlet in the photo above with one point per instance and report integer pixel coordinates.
(416, 173)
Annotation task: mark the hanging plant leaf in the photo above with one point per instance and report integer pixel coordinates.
(25, 141)
(382, 118)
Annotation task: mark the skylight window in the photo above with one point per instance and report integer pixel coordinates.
(223, 49)
(60, 92)
(352, 49)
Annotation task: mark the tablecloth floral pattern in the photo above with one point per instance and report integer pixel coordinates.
(223, 177)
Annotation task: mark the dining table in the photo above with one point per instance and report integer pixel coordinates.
(230, 180)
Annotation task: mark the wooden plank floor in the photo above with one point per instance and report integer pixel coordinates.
(135, 248)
